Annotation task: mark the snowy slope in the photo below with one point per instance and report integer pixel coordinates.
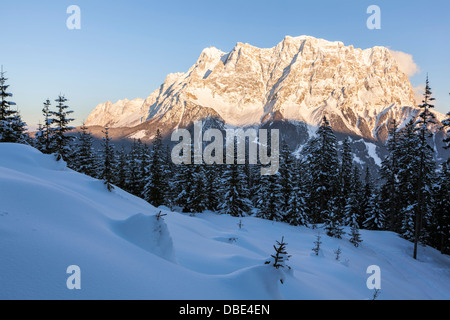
(52, 217)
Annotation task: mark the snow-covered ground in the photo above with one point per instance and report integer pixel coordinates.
(52, 217)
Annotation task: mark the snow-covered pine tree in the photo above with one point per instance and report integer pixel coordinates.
(211, 187)
(12, 128)
(45, 134)
(62, 147)
(317, 244)
(198, 195)
(441, 210)
(426, 165)
(269, 199)
(122, 170)
(355, 236)
(446, 128)
(333, 224)
(407, 226)
(144, 162)
(19, 127)
(442, 196)
(85, 160)
(248, 178)
(184, 185)
(345, 177)
(375, 219)
(407, 175)
(310, 179)
(322, 163)
(235, 201)
(155, 187)
(296, 213)
(169, 174)
(286, 179)
(368, 191)
(279, 259)
(338, 253)
(268, 195)
(133, 181)
(39, 139)
(255, 172)
(352, 210)
(108, 161)
(389, 174)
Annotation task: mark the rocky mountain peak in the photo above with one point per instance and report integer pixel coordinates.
(301, 79)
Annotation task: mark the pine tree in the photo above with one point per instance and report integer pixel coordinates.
(389, 172)
(352, 212)
(61, 122)
(321, 159)
(85, 161)
(108, 161)
(281, 256)
(255, 173)
(407, 178)
(122, 169)
(286, 179)
(12, 128)
(355, 236)
(144, 163)
(425, 166)
(39, 140)
(236, 200)
(133, 176)
(338, 253)
(345, 177)
(368, 191)
(211, 187)
(198, 195)
(333, 225)
(296, 213)
(154, 190)
(407, 227)
(45, 133)
(407, 163)
(169, 173)
(186, 189)
(446, 128)
(317, 243)
(441, 210)
(269, 198)
(19, 127)
(375, 219)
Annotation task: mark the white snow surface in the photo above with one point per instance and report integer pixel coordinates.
(52, 217)
(372, 150)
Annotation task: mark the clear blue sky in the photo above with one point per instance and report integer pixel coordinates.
(126, 48)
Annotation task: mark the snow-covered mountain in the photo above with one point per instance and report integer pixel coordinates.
(120, 114)
(301, 79)
(52, 217)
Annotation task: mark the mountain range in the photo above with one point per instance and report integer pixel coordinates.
(291, 86)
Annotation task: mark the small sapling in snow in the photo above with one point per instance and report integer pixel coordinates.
(280, 257)
(316, 249)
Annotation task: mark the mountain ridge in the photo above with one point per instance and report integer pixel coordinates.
(300, 79)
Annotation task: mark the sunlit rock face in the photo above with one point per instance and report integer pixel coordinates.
(298, 81)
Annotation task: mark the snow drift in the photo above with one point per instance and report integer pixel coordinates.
(52, 217)
(149, 233)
